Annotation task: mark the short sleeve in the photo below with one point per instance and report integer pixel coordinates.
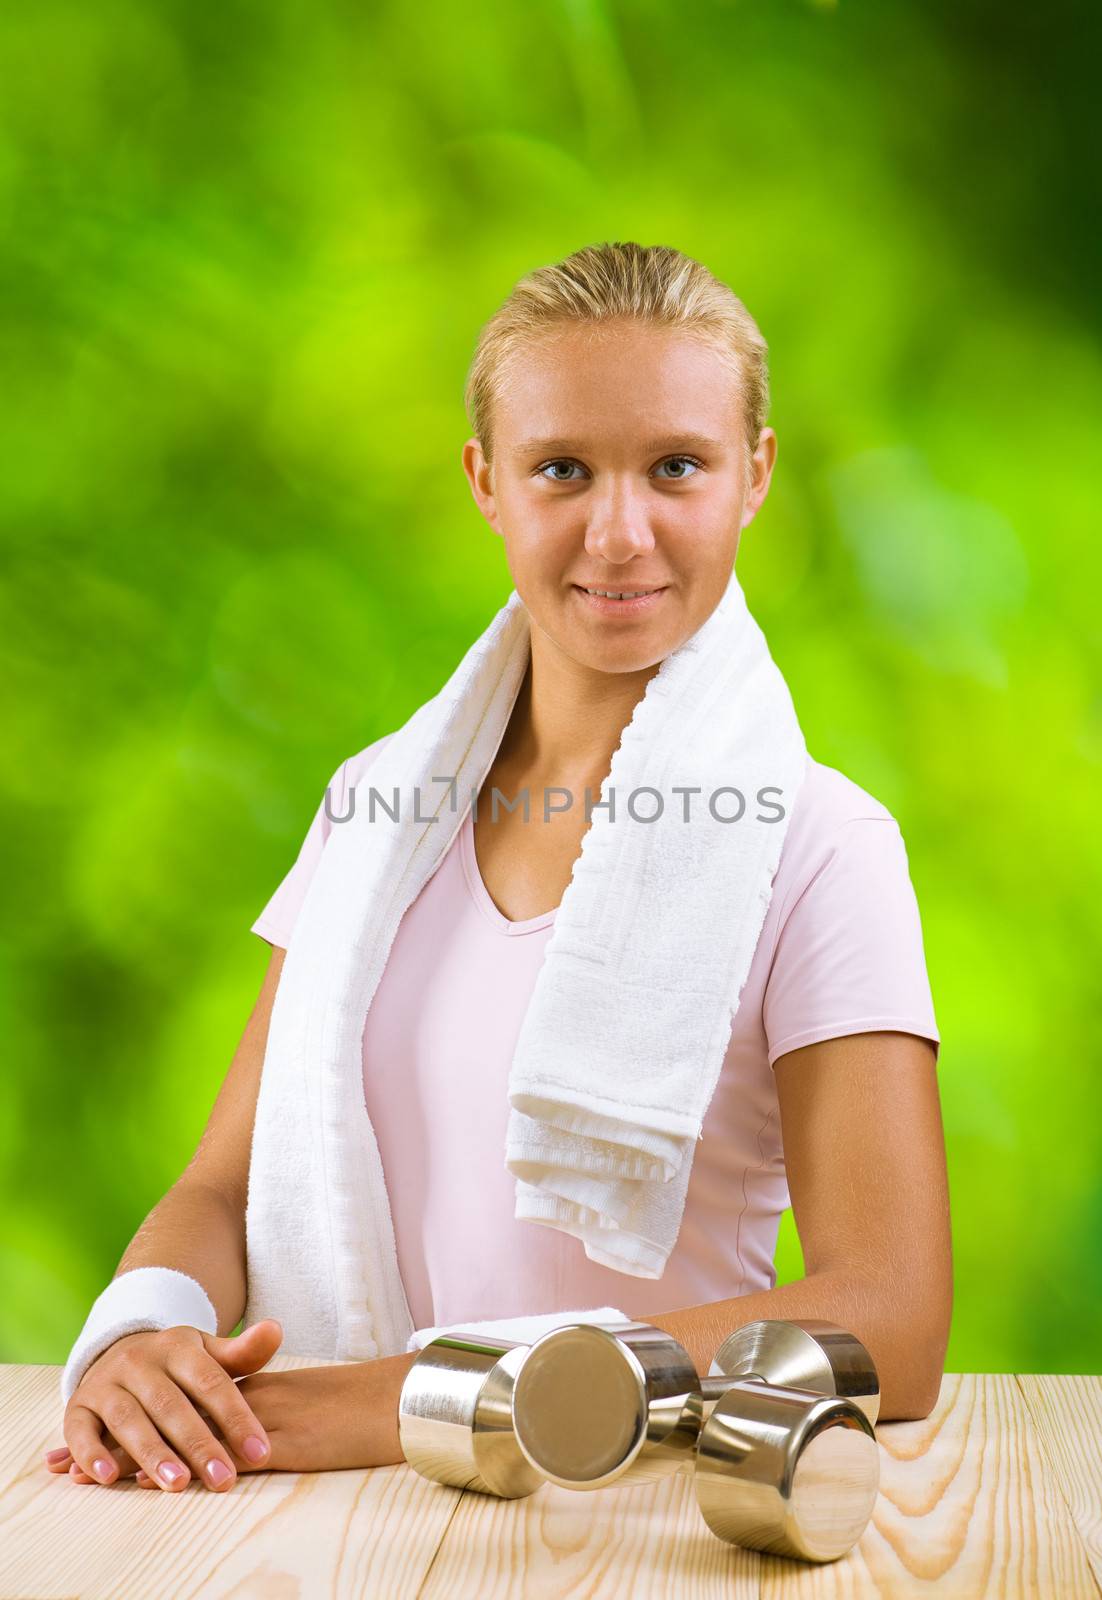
(849, 957)
(278, 917)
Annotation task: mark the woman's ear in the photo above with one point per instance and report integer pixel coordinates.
(762, 463)
(480, 476)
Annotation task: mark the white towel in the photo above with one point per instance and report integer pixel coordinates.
(630, 1018)
(521, 1330)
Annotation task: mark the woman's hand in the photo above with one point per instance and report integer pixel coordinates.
(146, 1402)
(318, 1419)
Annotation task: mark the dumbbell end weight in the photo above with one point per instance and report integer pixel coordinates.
(455, 1420)
(787, 1471)
(595, 1404)
(802, 1353)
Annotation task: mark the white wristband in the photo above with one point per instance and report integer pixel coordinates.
(135, 1302)
(522, 1330)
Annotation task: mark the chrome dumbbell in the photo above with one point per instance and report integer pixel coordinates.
(455, 1421)
(788, 1468)
(772, 1469)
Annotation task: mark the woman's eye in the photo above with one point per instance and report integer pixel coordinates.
(560, 463)
(692, 461)
(557, 478)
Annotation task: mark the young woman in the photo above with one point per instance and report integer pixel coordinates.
(618, 404)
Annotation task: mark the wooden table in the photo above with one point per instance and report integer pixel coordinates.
(997, 1492)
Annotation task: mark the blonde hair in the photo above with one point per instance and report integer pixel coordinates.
(652, 284)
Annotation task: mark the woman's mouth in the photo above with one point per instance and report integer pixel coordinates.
(620, 602)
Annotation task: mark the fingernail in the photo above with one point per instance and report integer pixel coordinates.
(254, 1449)
(57, 1455)
(102, 1469)
(169, 1472)
(218, 1473)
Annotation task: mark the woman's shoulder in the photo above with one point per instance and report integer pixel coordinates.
(827, 798)
(358, 766)
(846, 952)
(830, 815)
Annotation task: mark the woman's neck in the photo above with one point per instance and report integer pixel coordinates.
(568, 719)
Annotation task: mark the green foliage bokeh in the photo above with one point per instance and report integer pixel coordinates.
(246, 253)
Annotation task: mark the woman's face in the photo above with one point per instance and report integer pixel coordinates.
(619, 465)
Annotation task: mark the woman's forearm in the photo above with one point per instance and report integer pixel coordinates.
(908, 1354)
(196, 1230)
(375, 1387)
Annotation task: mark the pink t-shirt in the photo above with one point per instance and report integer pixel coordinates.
(840, 952)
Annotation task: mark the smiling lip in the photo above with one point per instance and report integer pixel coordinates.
(620, 608)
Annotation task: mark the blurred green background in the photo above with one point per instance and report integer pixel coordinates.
(246, 254)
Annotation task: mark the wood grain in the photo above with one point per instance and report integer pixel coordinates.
(1067, 1412)
(997, 1493)
(280, 1535)
(642, 1542)
(969, 1506)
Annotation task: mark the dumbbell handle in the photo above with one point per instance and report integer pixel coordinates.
(713, 1388)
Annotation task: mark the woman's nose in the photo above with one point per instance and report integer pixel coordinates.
(619, 534)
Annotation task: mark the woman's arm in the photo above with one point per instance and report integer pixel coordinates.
(865, 1160)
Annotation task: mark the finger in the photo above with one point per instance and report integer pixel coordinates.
(124, 1461)
(174, 1417)
(125, 1464)
(214, 1391)
(165, 1411)
(243, 1353)
(130, 1427)
(63, 1460)
(89, 1451)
